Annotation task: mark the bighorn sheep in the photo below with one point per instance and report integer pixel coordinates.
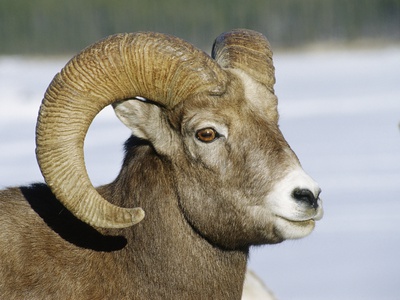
(206, 162)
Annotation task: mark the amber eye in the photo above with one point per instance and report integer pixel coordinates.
(206, 135)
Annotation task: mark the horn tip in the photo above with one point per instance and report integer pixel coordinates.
(137, 215)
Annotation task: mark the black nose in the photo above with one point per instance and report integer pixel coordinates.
(305, 195)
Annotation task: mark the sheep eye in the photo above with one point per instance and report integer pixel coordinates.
(207, 135)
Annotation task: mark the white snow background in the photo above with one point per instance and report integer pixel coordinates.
(340, 111)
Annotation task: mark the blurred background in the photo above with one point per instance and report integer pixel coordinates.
(54, 27)
(338, 83)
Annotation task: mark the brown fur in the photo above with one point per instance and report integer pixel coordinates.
(194, 240)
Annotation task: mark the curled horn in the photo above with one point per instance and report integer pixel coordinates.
(246, 50)
(159, 67)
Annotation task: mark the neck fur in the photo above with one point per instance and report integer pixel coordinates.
(165, 249)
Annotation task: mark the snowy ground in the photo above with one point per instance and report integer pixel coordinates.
(340, 112)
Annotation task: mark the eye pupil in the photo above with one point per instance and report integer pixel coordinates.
(206, 135)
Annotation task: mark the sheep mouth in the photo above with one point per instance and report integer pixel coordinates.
(291, 228)
(305, 222)
(303, 219)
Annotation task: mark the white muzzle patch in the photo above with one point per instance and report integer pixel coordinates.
(295, 203)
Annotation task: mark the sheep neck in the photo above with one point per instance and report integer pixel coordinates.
(164, 248)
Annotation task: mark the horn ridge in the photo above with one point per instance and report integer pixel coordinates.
(247, 50)
(156, 66)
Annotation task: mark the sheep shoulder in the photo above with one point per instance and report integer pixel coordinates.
(46, 245)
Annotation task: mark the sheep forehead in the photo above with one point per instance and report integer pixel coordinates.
(243, 94)
(257, 95)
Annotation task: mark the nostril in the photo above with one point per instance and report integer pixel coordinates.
(305, 195)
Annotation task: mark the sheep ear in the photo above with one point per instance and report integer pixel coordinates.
(144, 118)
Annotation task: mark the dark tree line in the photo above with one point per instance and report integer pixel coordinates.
(51, 26)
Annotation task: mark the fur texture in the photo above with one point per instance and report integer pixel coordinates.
(206, 203)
